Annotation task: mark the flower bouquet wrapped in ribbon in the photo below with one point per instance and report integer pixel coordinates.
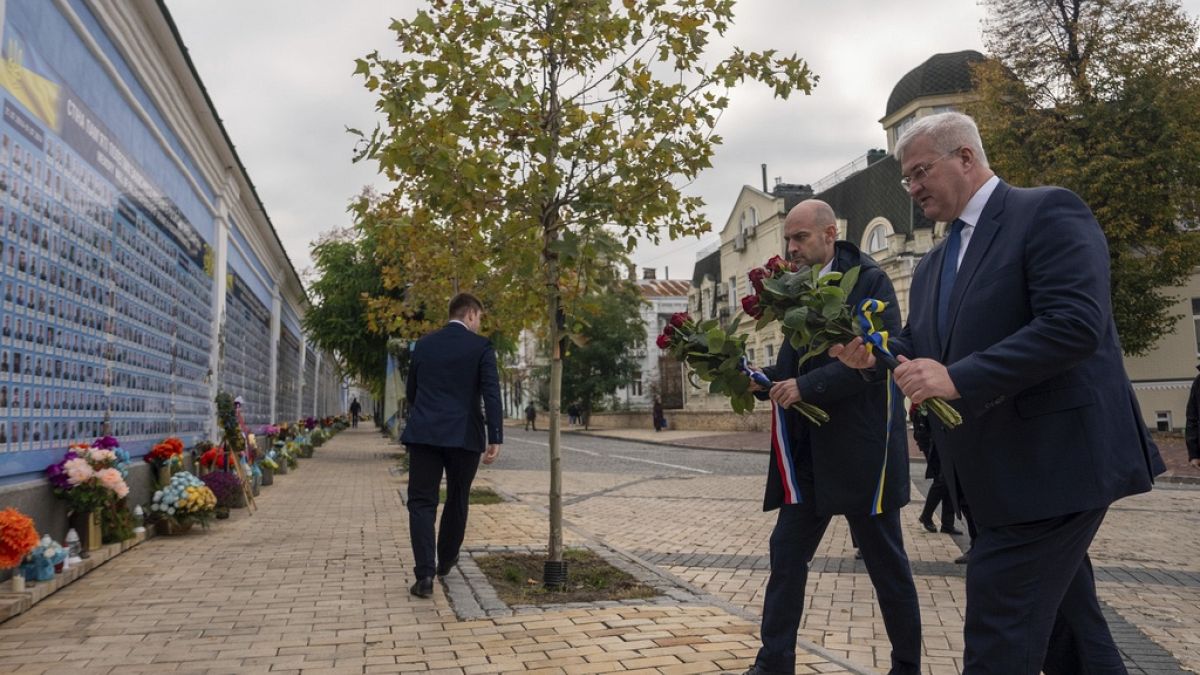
(718, 356)
(813, 312)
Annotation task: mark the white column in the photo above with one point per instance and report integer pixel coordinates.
(300, 391)
(317, 387)
(220, 287)
(276, 310)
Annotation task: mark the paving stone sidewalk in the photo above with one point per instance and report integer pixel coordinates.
(316, 580)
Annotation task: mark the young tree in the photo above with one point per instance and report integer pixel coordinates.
(518, 129)
(1103, 97)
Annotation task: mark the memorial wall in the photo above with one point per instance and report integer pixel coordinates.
(139, 273)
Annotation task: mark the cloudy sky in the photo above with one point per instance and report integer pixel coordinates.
(280, 75)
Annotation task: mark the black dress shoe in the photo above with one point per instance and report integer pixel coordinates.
(444, 568)
(949, 530)
(754, 670)
(964, 558)
(927, 523)
(423, 588)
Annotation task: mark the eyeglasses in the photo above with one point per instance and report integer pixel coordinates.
(921, 171)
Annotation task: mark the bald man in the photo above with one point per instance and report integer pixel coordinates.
(855, 465)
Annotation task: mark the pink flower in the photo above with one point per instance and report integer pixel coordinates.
(78, 471)
(111, 479)
(101, 456)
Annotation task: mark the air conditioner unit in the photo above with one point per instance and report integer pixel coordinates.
(739, 242)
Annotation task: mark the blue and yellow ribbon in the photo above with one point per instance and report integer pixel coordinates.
(876, 340)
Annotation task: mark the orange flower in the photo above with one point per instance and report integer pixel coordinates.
(17, 537)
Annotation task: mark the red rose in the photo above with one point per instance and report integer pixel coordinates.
(668, 330)
(679, 318)
(750, 306)
(756, 278)
(777, 264)
(664, 341)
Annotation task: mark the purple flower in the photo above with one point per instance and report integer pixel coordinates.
(107, 443)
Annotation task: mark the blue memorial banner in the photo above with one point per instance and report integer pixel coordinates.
(106, 315)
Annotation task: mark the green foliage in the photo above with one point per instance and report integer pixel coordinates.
(1103, 97)
(516, 132)
(231, 431)
(609, 328)
(338, 320)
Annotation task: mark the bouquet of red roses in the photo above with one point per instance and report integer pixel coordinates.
(814, 314)
(718, 356)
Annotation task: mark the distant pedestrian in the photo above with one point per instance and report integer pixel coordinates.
(355, 409)
(573, 413)
(938, 493)
(660, 422)
(530, 417)
(1191, 435)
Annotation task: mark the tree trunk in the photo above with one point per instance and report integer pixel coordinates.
(555, 546)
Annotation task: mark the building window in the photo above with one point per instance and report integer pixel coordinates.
(1162, 419)
(635, 385)
(770, 353)
(1196, 321)
(733, 296)
(750, 354)
(877, 239)
(903, 125)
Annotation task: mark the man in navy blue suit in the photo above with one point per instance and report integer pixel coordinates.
(452, 380)
(856, 465)
(1011, 321)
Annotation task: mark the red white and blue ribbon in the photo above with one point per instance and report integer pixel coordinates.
(781, 448)
(781, 445)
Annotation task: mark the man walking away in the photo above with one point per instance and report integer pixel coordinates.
(355, 409)
(453, 372)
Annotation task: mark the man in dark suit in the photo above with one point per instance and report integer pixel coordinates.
(856, 464)
(1011, 321)
(453, 371)
(1191, 431)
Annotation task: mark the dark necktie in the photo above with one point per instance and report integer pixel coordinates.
(949, 272)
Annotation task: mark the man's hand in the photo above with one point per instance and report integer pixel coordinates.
(854, 354)
(786, 393)
(924, 379)
(493, 451)
(754, 386)
(1195, 462)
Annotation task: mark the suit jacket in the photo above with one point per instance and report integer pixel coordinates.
(1050, 422)
(1191, 430)
(854, 448)
(453, 372)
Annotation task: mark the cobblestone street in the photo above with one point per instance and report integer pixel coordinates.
(317, 579)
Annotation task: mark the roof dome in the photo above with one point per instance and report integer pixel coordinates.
(940, 74)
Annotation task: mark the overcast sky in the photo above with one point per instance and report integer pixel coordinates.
(280, 75)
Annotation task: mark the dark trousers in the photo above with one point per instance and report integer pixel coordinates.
(1031, 600)
(798, 532)
(354, 419)
(426, 464)
(939, 493)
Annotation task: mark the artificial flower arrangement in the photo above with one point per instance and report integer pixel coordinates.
(813, 312)
(89, 477)
(290, 452)
(268, 462)
(183, 501)
(168, 454)
(226, 487)
(44, 560)
(18, 537)
(213, 458)
(310, 422)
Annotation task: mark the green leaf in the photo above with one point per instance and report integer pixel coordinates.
(716, 339)
(795, 318)
(849, 279)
